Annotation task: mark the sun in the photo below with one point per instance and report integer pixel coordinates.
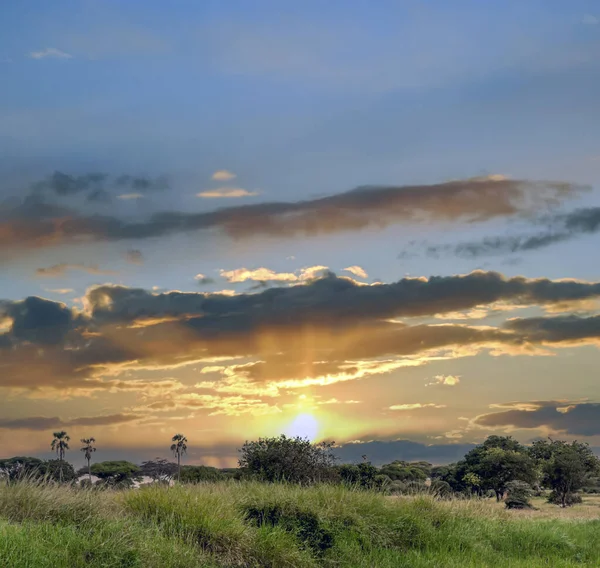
(304, 425)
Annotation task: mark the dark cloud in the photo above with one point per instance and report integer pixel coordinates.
(331, 326)
(63, 184)
(40, 321)
(468, 200)
(559, 228)
(47, 423)
(134, 256)
(556, 329)
(577, 419)
(331, 299)
(60, 270)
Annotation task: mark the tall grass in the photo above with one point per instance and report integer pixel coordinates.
(256, 525)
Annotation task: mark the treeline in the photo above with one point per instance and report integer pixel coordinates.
(500, 467)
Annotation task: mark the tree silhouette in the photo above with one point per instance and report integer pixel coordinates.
(179, 447)
(60, 444)
(88, 448)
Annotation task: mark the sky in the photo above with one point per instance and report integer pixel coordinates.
(373, 223)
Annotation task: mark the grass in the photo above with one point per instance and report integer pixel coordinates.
(256, 525)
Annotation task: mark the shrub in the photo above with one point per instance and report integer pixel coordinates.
(519, 494)
(564, 499)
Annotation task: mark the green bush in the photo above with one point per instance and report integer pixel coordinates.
(518, 495)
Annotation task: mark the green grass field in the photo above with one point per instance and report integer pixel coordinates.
(251, 524)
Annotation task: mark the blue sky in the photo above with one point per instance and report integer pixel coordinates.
(299, 101)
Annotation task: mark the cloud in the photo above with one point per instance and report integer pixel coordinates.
(129, 196)
(559, 228)
(227, 192)
(327, 331)
(134, 256)
(223, 175)
(416, 405)
(227, 405)
(44, 423)
(60, 290)
(357, 271)
(202, 279)
(267, 275)
(338, 300)
(572, 418)
(445, 380)
(590, 20)
(39, 224)
(50, 52)
(60, 270)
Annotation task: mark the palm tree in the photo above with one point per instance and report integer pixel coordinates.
(88, 448)
(179, 447)
(60, 444)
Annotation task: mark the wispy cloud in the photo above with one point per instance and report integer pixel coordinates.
(590, 20)
(416, 406)
(59, 290)
(127, 196)
(41, 224)
(226, 193)
(59, 270)
(50, 52)
(223, 175)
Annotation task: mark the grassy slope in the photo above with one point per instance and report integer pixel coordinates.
(260, 525)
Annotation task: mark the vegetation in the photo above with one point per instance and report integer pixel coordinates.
(253, 524)
(88, 449)
(290, 504)
(179, 448)
(60, 444)
(287, 459)
(116, 473)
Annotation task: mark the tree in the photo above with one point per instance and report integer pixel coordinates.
(404, 471)
(116, 473)
(88, 449)
(566, 467)
(22, 467)
(19, 467)
(499, 460)
(179, 447)
(295, 460)
(60, 444)
(497, 467)
(159, 469)
(58, 470)
(473, 482)
(364, 475)
(200, 473)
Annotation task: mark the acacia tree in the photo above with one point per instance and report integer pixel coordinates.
(179, 448)
(88, 448)
(566, 467)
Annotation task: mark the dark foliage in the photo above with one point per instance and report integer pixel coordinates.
(518, 495)
(295, 460)
(306, 525)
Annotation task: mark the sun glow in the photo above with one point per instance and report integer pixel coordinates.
(305, 426)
